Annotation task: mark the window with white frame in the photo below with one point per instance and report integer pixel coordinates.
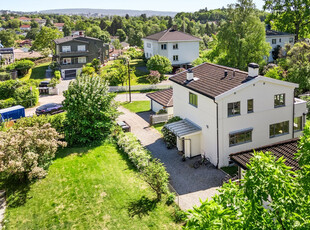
(175, 46)
(241, 137)
(66, 61)
(148, 45)
(291, 40)
(163, 46)
(66, 49)
(81, 59)
(175, 57)
(274, 41)
(279, 100)
(250, 106)
(233, 109)
(279, 129)
(81, 48)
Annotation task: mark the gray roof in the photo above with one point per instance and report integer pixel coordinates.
(276, 33)
(183, 128)
(172, 35)
(74, 38)
(6, 50)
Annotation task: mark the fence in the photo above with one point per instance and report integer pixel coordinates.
(138, 87)
(155, 119)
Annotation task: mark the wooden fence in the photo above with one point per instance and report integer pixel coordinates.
(155, 119)
(137, 87)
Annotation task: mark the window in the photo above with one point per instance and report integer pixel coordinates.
(274, 41)
(175, 57)
(250, 106)
(66, 49)
(279, 39)
(82, 60)
(148, 45)
(291, 40)
(240, 137)
(279, 100)
(193, 99)
(163, 46)
(66, 61)
(175, 46)
(297, 124)
(233, 109)
(279, 129)
(82, 48)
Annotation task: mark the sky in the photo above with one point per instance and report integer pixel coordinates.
(157, 5)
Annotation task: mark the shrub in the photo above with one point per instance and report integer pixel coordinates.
(88, 70)
(4, 76)
(162, 111)
(179, 70)
(22, 66)
(27, 152)
(7, 103)
(169, 137)
(26, 95)
(170, 199)
(91, 110)
(133, 53)
(159, 63)
(7, 88)
(154, 77)
(54, 66)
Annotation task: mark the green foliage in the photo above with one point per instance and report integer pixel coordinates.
(91, 110)
(137, 106)
(45, 38)
(238, 44)
(7, 38)
(276, 73)
(307, 99)
(169, 137)
(22, 66)
(27, 95)
(117, 74)
(95, 64)
(105, 37)
(133, 53)
(32, 33)
(88, 70)
(121, 34)
(159, 63)
(117, 45)
(154, 77)
(4, 76)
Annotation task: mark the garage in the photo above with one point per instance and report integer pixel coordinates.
(70, 73)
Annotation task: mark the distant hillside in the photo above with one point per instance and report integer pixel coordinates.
(107, 12)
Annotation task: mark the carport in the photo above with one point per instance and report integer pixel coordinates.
(188, 137)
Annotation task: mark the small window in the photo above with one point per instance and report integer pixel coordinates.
(279, 39)
(279, 129)
(233, 109)
(82, 48)
(250, 106)
(82, 60)
(193, 99)
(175, 57)
(148, 45)
(274, 41)
(163, 46)
(291, 40)
(66, 49)
(279, 100)
(297, 124)
(240, 138)
(175, 46)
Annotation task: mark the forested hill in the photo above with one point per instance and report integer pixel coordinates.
(110, 12)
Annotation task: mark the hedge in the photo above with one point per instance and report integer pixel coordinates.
(4, 76)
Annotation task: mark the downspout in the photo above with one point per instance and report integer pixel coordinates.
(293, 114)
(217, 135)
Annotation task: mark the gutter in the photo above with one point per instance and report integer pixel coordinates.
(217, 135)
(293, 114)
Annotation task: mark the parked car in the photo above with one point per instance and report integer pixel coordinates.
(125, 127)
(50, 108)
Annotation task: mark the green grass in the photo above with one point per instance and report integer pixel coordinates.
(159, 126)
(90, 189)
(38, 72)
(231, 170)
(139, 91)
(137, 106)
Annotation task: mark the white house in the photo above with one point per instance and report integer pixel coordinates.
(278, 39)
(162, 100)
(226, 110)
(180, 48)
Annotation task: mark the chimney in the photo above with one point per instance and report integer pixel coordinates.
(253, 69)
(174, 27)
(189, 75)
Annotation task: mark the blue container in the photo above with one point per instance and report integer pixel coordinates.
(12, 113)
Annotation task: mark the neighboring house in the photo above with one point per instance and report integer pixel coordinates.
(6, 55)
(125, 45)
(286, 149)
(24, 53)
(277, 40)
(78, 33)
(40, 21)
(25, 27)
(59, 26)
(162, 99)
(180, 48)
(227, 110)
(25, 19)
(113, 38)
(72, 52)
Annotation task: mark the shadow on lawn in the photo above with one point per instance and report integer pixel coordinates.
(141, 207)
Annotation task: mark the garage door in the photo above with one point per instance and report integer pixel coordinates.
(70, 73)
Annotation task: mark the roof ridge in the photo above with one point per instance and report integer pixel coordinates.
(168, 30)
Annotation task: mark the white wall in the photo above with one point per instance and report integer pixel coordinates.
(156, 106)
(264, 115)
(284, 40)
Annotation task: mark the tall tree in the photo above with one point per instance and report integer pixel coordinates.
(121, 34)
(67, 30)
(45, 37)
(241, 39)
(7, 38)
(290, 15)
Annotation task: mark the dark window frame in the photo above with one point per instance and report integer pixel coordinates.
(175, 57)
(175, 46)
(193, 99)
(163, 46)
(278, 101)
(274, 41)
(299, 126)
(281, 126)
(233, 106)
(240, 138)
(250, 111)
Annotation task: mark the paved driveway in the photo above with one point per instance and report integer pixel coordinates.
(191, 184)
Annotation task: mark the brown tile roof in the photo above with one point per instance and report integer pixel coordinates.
(74, 37)
(25, 26)
(211, 82)
(59, 24)
(163, 97)
(172, 35)
(287, 149)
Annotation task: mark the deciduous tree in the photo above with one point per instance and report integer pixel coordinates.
(45, 37)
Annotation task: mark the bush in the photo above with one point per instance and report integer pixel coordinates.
(91, 110)
(4, 76)
(159, 63)
(54, 66)
(154, 77)
(133, 53)
(22, 66)
(27, 152)
(169, 137)
(88, 70)
(170, 199)
(180, 70)
(162, 111)
(7, 88)
(7, 103)
(26, 95)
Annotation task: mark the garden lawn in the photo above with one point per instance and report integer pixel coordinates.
(38, 72)
(91, 189)
(137, 106)
(159, 126)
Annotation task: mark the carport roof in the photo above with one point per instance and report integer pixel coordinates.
(183, 128)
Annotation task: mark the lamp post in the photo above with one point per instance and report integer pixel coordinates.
(128, 62)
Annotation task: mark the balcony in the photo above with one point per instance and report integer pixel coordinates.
(73, 53)
(300, 107)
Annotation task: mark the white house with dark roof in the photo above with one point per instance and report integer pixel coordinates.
(180, 48)
(278, 39)
(225, 110)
